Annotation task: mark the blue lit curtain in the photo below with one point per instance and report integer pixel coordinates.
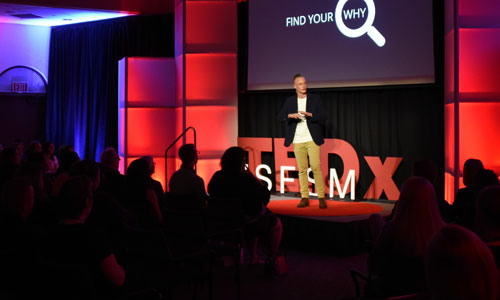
(82, 107)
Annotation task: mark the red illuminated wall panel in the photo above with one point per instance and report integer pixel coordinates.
(150, 130)
(216, 127)
(211, 25)
(479, 8)
(449, 70)
(207, 167)
(148, 119)
(147, 80)
(449, 187)
(449, 137)
(479, 63)
(211, 77)
(480, 133)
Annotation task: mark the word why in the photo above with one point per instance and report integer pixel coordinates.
(354, 13)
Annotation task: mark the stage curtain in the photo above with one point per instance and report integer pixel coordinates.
(82, 97)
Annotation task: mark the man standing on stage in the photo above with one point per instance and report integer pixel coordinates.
(304, 116)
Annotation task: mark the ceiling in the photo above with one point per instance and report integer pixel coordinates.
(52, 16)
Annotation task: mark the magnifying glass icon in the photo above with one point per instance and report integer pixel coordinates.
(367, 27)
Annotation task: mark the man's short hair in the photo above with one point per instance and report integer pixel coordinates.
(108, 156)
(297, 76)
(187, 153)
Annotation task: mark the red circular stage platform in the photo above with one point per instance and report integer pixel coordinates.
(335, 208)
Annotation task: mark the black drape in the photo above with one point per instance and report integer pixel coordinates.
(82, 97)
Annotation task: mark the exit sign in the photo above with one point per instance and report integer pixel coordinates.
(19, 87)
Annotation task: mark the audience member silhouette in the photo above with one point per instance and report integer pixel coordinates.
(485, 178)
(184, 182)
(18, 237)
(488, 218)
(397, 257)
(108, 213)
(464, 203)
(488, 214)
(10, 164)
(235, 184)
(68, 159)
(460, 266)
(154, 184)
(35, 168)
(33, 147)
(111, 180)
(428, 170)
(74, 242)
(141, 198)
(48, 149)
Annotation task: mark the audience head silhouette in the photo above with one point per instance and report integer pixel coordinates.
(233, 160)
(138, 172)
(110, 159)
(67, 160)
(88, 168)
(471, 167)
(460, 266)
(188, 155)
(76, 198)
(151, 163)
(417, 216)
(485, 178)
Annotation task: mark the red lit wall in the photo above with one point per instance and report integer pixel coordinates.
(480, 133)
(205, 50)
(472, 89)
(148, 118)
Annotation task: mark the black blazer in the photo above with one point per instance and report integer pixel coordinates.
(314, 123)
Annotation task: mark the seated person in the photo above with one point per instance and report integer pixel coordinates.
(234, 183)
(141, 197)
(465, 198)
(73, 242)
(185, 182)
(488, 219)
(460, 266)
(19, 238)
(397, 256)
(155, 184)
(111, 180)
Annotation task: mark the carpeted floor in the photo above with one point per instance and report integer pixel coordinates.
(312, 276)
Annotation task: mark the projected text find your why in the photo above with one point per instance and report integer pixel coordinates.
(326, 17)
